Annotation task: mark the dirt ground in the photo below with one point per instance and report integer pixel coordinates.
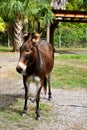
(68, 107)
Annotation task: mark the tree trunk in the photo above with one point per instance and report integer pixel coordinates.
(18, 37)
(59, 45)
(25, 29)
(48, 32)
(9, 39)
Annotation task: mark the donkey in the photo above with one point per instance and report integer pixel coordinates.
(35, 64)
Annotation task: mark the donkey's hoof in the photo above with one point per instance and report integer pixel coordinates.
(38, 118)
(23, 114)
(50, 98)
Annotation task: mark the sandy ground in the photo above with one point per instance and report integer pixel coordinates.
(68, 107)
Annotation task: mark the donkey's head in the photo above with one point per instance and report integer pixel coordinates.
(28, 53)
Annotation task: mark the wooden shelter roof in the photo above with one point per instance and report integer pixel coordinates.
(70, 16)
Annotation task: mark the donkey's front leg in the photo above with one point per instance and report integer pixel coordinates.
(37, 103)
(26, 97)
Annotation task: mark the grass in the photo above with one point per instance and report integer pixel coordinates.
(5, 49)
(70, 71)
(10, 115)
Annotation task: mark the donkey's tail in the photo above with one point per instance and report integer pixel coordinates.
(45, 85)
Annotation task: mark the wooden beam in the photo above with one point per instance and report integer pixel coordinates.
(70, 16)
(70, 13)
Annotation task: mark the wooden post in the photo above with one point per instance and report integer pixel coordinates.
(53, 26)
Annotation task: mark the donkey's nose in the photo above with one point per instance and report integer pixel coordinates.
(19, 69)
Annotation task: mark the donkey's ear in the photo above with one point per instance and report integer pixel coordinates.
(36, 37)
(26, 37)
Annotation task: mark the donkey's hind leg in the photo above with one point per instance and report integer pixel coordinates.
(49, 88)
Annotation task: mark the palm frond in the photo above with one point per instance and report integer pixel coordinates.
(12, 8)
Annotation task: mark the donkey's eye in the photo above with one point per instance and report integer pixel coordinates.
(28, 50)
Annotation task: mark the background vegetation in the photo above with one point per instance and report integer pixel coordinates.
(38, 13)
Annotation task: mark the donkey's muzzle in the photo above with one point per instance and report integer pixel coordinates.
(19, 69)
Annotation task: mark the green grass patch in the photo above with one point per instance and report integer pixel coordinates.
(10, 114)
(5, 49)
(70, 71)
(12, 110)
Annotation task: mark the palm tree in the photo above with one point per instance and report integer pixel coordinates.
(34, 12)
(38, 12)
(13, 11)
